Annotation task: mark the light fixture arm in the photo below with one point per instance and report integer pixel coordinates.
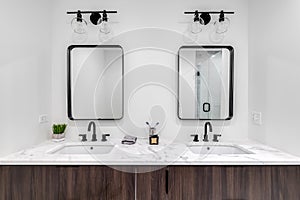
(210, 12)
(95, 15)
(90, 12)
(204, 17)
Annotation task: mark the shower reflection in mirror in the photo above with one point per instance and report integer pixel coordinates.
(205, 83)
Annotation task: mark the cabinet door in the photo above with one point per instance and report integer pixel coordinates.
(152, 185)
(211, 182)
(28, 182)
(120, 184)
(234, 182)
(65, 182)
(193, 183)
(82, 182)
(95, 182)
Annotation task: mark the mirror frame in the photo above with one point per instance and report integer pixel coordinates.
(231, 81)
(69, 78)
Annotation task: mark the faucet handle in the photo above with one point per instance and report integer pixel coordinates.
(215, 139)
(205, 138)
(83, 139)
(104, 139)
(196, 137)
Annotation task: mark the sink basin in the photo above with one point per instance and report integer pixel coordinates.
(83, 149)
(218, 149)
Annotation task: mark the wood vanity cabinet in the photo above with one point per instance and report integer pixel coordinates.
(152, 185)
(220, 183)
(65, 182)
(172, 182)
(95, 182)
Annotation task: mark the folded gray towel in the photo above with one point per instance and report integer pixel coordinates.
(129, 140)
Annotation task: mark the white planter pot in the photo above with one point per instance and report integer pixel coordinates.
(58, 136)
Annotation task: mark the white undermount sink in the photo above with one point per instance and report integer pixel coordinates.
(218, 149)
(82, 149)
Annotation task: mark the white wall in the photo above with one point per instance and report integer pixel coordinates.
(31, 60)
(25, 74)
(151, 57)
(274, 72)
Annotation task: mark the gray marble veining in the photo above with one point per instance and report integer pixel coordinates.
(142, 153)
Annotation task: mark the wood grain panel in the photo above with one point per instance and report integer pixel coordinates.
(95, 182)
(65, 182)
(190, 183)
(235, 182)
(151, 185)
(184, 183)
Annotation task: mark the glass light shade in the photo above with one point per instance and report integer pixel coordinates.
(105, 31)
(223, 26)
(195, 27)
(105, 27)
(79, 27)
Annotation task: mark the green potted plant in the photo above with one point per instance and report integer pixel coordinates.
(58, 132)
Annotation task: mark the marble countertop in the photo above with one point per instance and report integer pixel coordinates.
(142, 153)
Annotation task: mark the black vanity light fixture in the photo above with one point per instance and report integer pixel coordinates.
(79, 24)
(204, 17)
(95, 16)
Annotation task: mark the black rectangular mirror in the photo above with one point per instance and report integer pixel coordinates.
(205, 82)
(95, 82)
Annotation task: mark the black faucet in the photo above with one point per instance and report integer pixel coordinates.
(207, 124)
(94, 136)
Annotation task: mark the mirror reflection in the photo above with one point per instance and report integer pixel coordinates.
(205, 83)
(95, 82)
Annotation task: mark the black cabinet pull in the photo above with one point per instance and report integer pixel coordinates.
(167, 180)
